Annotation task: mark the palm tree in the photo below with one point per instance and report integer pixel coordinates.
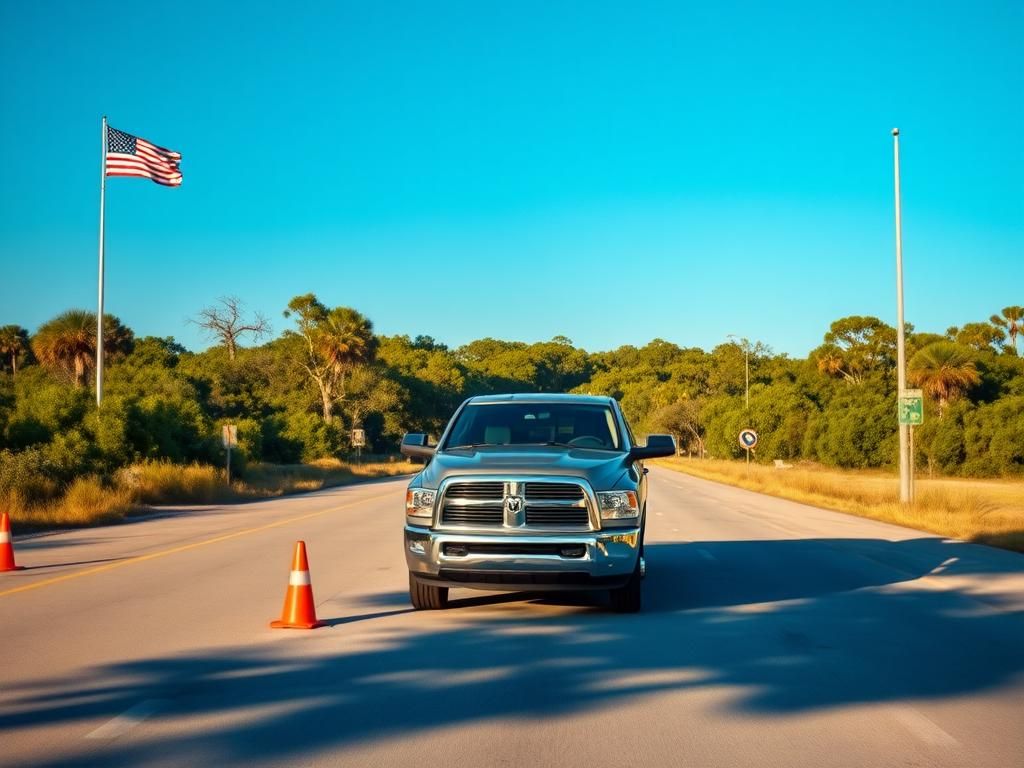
(831, 362)
(1012, 320)
(13, 345)
(67, 344)
(345, 339)
(336, 340)
(944, 370)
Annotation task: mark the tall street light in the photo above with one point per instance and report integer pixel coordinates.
(746, 363)
(906, 444)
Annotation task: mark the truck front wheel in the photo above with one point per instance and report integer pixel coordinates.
(427, 597)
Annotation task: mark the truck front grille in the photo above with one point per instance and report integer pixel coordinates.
(544, 505)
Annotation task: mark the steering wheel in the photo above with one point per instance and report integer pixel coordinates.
(586, 441)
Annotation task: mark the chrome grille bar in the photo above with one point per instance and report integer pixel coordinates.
(517, 504)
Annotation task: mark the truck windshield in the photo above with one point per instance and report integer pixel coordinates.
(578, 425)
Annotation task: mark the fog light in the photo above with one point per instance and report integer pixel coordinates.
(416, 547)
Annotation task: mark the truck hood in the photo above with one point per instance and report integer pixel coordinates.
(602, 469)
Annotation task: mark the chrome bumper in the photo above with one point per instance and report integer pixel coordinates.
(609, 558)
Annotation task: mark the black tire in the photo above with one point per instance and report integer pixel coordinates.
(427, 597)
(627, 599)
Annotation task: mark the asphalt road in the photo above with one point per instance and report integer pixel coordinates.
(773, 634)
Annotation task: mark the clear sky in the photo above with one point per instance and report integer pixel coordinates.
(612, 172)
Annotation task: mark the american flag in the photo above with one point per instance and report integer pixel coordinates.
(129, 155)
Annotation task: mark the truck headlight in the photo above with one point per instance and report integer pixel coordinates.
(419, 502)
(618, 505)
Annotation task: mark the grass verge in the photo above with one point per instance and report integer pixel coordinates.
(985, 511)
(93, 501)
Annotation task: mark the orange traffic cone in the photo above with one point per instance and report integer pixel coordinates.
(6, 547)
(299, 609)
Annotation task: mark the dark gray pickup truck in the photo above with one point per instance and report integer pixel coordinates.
(529, 492)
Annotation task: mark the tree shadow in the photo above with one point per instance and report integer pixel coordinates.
(779, 627)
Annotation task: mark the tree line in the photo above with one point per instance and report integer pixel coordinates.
(296, 396)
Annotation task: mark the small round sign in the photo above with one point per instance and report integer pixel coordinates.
(748, 439)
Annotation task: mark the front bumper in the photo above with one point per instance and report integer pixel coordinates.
(590, 560)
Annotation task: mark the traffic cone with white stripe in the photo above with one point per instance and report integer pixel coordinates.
(6, 547)
(299, 609)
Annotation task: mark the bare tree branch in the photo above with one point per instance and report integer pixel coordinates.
(227, 323)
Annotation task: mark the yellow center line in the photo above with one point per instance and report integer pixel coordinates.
(184, 547)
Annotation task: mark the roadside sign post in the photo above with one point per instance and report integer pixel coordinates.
(911, 408)
(229, 437)
(748, 440)
(358, 441)
(911, 414)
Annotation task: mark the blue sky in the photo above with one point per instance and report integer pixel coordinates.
(612, 172)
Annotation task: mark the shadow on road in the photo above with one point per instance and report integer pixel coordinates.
(51, 566)
(780, 627)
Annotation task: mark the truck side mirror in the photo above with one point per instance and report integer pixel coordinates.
(657, 446)
(414, 445)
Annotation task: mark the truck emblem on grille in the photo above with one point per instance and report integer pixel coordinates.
(513, 504)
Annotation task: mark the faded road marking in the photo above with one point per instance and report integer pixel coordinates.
(185, 547)
(124, 722)
(943, 565)
(923, 728)
(666, 678)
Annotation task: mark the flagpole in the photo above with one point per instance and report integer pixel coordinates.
(99, 313)
(906, 437)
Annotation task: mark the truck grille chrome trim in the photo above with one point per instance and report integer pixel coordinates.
(553, 491)
(489, 490)
(517, 503)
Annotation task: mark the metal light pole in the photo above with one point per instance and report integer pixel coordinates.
(746, 367)
(906, 446)
(99, 308)
(746, 375)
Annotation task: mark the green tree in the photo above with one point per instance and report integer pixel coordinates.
(335, 341)
(66, 345)
(944, 371)
(855, 347)
(1011, 319)
(982, 337)
(682, 418)
(14, 346)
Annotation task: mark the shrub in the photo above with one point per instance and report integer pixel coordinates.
(26, 477)
(161, 482)
(87, 501)
(317, 438)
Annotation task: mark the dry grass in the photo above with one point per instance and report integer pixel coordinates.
(160, 482)
(86, 502)
(988, 511)
(90, 501)
(262, 480)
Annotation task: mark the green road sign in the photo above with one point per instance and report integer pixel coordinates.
(911, 408)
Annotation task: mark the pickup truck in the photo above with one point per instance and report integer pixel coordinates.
(529, 492)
